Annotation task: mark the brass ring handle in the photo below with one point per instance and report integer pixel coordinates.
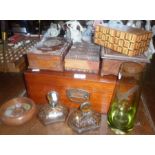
(77, 95)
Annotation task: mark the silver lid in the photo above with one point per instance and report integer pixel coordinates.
(53, 98)
(84, 119)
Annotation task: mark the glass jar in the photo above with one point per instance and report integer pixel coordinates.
(124, 103)
(54, 111)
(84, 118)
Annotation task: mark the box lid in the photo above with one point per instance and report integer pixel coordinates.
(107, 53)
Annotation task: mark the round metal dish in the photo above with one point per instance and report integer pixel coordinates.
(17, 111)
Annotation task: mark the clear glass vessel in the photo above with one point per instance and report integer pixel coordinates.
(84, 119)
(124, 104)
(54, 111)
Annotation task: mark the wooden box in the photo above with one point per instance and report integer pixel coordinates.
(49, 57)
(112, 60)
(83, 57)
(127, 40)
(13, 60)
(16, 49)
(80, 87)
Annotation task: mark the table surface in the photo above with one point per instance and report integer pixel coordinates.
(143, 126)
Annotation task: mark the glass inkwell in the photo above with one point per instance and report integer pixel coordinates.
(54, 111)
(84, 118)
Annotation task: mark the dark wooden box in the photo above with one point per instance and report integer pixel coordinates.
(83, 57)
(49, 58)
(15, 51)
(100, 89)
(112, 60)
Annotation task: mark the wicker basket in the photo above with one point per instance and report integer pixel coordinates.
(123, 39)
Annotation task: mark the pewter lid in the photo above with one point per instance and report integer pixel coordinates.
(84, 118)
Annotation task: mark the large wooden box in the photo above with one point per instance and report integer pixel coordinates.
(127, 40)
(49, 57)
(83, 57)
(112, 60)
(99, 89)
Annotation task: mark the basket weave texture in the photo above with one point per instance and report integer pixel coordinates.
(126, 40)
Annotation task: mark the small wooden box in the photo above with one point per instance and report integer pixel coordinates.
(100, 89)
(126, 40)
(13, 60)
(15, 52)
(49, 58)
(112, 60)
(83, 57)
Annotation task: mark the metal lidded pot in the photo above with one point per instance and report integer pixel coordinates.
(84, 118)
(54, 111)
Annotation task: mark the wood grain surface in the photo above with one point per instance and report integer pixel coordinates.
(38, 84)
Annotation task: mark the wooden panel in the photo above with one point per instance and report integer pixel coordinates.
(84, 57)
(110, 67)
(112, 60)
(99, 88)
(45, 62)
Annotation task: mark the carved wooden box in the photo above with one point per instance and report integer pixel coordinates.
(83, 57)
(14, 59)
(127, 40)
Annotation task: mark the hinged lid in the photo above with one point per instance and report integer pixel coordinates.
(84, 119)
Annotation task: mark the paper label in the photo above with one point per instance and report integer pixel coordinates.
(35, 70)
(80, 76)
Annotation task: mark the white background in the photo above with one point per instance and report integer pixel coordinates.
(77, 10)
